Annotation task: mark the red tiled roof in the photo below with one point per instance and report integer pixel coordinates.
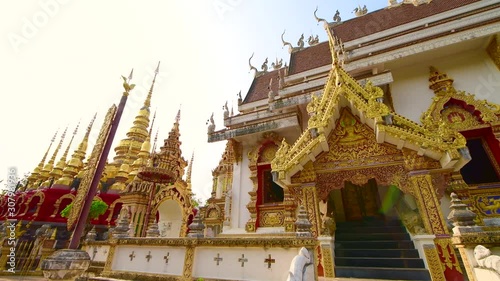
(387, 18)
(310, 58)
(319, 55)
(259, 88)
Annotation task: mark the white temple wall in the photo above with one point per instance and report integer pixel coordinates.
(230, 266)
(241, 186)
(246, 185)
(122, 260)
(472, 71)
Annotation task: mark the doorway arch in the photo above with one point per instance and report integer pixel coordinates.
(170, 219)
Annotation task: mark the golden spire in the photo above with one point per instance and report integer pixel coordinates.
(147, 102)
(190, 170)
(44, 174)
(439, 82)
(75, 164)
(168, 162)
(57, 172)
(138, 132)
(33, 178)
(156, 139)
(123, 174)
(143, 155)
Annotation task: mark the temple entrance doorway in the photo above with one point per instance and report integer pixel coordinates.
(368, 201)
(170, 219)
(361, 202)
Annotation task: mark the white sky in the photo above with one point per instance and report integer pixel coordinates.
(61, 61)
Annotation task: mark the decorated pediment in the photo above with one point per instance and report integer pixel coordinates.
(458, 110)
(391, 131)
(353, 143)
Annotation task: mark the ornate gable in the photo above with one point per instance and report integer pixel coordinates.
(459, 110)
(353, 143)
(437, 142)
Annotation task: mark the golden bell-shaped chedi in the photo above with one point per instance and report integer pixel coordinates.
(136, 135)
(75, 164)
(143, 156)
(44, 178)
(166, 166)
(122, 176)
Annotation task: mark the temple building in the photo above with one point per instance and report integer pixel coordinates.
(373, 154)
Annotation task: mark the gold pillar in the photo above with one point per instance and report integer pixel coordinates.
(327, 256)
(290, 208)
(430, 210)
(434, 263)
(188, 264)
(310, 202)
(428, 203)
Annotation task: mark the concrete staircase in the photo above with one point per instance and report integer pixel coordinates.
(377, 249)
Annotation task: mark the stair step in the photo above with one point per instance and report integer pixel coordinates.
(383, 253)
(371, 237)
(383, 273)
(370, 229)
(342, 245)
(380, 262)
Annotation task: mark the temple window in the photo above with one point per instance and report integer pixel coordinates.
(483, 168)
(271, 192)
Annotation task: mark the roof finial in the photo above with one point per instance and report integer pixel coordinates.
(240, 100)
(290, 47)
(325, 23)
(147, 102)
(178, 116)
(130, 75)
(251, 66)
(126, 83)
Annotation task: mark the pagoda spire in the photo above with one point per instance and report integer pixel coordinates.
(147, 102)
(143, 155)
(75, 164)
(155, 140)
(138, 133)
(34, 176)
(57, 171)
(190, 170)
(45, 173)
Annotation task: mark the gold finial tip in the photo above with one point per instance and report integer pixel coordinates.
(157, 68)
(130, 75)
(76, 129)
(178, 116)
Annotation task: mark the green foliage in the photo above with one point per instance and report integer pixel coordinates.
(97, 208)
